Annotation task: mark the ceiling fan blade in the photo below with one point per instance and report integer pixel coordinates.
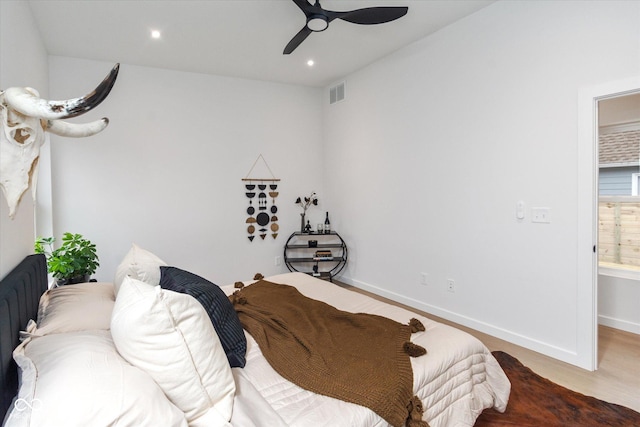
(374, 15)
(297, 39)
(304, 5)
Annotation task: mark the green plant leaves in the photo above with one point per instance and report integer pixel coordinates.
(76, 257)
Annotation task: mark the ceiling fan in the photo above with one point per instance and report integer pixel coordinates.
(318, 19)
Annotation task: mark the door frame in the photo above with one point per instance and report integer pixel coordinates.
(587, 257)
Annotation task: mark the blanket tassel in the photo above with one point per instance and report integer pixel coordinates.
(237, 299)
(416, 325)
(415, 410)
(414, 350)
(238, 285)
(258, 276)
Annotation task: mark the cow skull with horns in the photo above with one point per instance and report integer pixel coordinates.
(24, 119)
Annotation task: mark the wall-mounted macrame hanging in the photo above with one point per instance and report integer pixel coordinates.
(261, 192)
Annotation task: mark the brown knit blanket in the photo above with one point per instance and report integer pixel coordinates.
(359, 358)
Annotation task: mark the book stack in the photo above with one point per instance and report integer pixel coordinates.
(323, 255)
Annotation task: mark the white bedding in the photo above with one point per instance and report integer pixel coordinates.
(456, 379)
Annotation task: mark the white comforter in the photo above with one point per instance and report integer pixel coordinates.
(456, 379)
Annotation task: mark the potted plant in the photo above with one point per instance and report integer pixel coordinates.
(308, 201)
(73, 262)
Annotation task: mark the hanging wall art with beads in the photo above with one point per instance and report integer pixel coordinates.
(261, 220)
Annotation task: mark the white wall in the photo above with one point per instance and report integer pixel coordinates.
(23, 62)
(619, 303)
(166, 174)
(434, 145)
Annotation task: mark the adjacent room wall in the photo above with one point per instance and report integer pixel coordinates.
(433, 147)
(166, 174)
(23, 62)
(618, 301)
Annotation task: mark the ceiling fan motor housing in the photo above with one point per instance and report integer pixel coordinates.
(317, 23)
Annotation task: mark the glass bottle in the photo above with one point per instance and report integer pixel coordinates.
(327, 224)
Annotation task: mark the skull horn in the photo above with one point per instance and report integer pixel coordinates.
(29, 104)
(75, 130)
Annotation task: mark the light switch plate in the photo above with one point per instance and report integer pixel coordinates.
(541, 215)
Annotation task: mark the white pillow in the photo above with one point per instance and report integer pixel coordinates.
(139, 264)
(79, 379)
(170, 336)
(80, 307)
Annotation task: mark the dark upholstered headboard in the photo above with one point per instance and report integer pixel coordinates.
(20, 294)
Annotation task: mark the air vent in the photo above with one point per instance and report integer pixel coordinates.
(336, 93)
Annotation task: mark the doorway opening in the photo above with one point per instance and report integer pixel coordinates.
(588, 197)
(618, 172)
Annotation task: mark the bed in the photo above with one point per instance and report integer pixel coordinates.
(143, 351)
(20, 292)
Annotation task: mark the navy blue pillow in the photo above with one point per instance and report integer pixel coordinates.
(218, 307)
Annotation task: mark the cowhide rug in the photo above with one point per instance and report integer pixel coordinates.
(538, 402)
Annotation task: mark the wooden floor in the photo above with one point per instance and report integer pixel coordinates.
(617, 379)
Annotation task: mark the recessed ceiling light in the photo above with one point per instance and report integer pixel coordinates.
(310, 63)
(155, 34)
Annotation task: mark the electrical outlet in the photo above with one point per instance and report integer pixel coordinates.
(278, 261)
(451, 285)
(424, 279)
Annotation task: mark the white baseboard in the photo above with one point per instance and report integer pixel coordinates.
(624, 325)
(559, 353)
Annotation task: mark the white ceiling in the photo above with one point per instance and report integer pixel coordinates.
(240, 38)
